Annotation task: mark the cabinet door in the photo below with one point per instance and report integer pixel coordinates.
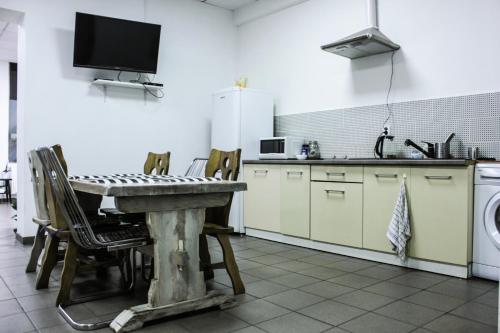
(336, 213)
(262, 198)
(295, 189)
(381, 191)
(441, 207)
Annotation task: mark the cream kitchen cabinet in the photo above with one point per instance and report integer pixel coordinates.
(441, 214)
(336, 213)
(294, 200)
(381, 190)
(262, 198)
(337, 173)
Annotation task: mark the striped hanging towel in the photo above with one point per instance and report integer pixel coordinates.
(399, 231)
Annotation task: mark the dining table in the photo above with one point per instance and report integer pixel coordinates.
(175, 214)
(6, 178)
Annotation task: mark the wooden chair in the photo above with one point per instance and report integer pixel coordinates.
(84, 237)
(227, 166)
(50, 244)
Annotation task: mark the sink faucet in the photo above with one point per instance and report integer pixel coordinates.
(379, 146)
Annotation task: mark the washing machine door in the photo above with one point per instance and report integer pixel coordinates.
(492, 220)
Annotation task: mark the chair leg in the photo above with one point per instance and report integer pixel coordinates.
(36, 250)
(49, 261)
(230, 263)
(68, 273)
(205, 258)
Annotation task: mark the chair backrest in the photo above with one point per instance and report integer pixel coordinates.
(157, 162)
(227, 164)
(197, 168)
(59, 190)
(38, 181)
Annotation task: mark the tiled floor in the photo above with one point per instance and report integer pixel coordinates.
(289, 289)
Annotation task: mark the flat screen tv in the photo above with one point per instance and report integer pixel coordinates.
(110, 43)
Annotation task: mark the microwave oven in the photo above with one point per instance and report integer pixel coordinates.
(280, 148)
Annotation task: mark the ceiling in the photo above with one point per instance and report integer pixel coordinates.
(8, 42)
(229, 4)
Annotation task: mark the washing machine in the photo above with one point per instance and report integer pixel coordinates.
(486, 242)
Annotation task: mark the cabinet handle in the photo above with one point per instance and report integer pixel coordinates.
(490, 177)
(295, 173)
(260, 171)
(334, 191)
(386, 175)
(439, 177)
(338, 174)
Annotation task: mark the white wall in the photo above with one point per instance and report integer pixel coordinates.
(449, 48)
(4, 114)
(113, 133)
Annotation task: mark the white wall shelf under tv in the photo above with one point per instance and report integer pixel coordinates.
(135, 85)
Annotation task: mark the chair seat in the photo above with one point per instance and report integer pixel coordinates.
(113, 213)
(212, 228)
(126, 233)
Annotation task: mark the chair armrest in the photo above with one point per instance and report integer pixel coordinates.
(41, 222)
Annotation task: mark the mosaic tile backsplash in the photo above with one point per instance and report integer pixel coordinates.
(353, 132)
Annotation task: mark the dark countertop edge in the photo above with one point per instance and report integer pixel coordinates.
(431, 162)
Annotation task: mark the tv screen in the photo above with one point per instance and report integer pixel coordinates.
(110, 43)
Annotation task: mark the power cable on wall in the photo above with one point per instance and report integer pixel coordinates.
(390, 113)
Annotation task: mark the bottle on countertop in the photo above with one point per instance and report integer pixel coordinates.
(314, 153)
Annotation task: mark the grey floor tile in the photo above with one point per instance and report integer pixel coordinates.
(264, 288)
(250, 329)
(380, 272)
(331, 312)
(421, 330)
(475, 283)
(274, 248)
(390, 289)
(294, 299)
(374, 323)
(44, 318)
(294, 265)
(160, 327)
(409, 313)
(322, 273)
(454, 324)
(459, 289)
(266, 272)
(35, 302)
(326, 289)
(416, 281)
(355, 280)
(435, 301)
(244, 264)
(478, 312)
(226, 280)
(257, 311)
(297, 254)
(364, 300)
(350, 265)
(212, 322)
(9, 307)
(490, 298)
(336, 330)
(249, 253)
(294, 280)
(293, 323)
(269, 259)
(322, 259)
(17, 323)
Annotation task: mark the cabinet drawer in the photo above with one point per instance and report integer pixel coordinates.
(380, 191)
(295, 189)
(262, 199)
(336, 213)
(441, 207)
(338, 173)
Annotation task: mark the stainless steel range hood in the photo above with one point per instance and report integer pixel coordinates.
(366, 42)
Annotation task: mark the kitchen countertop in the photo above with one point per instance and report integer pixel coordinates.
(368, 161)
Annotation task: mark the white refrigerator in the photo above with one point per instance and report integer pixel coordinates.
(241, 116)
